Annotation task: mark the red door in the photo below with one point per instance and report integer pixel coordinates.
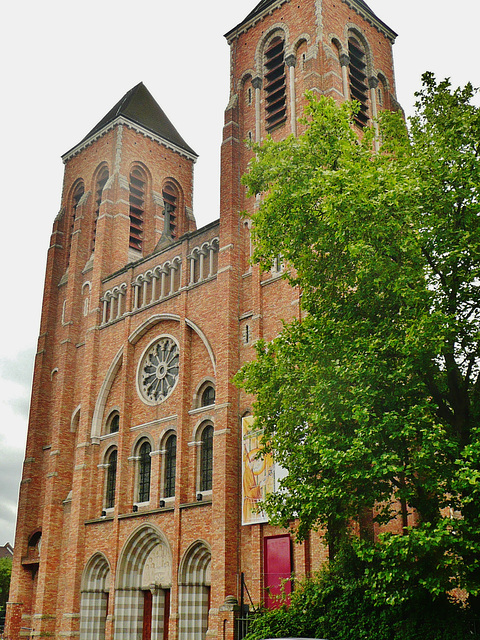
(147, 615)
(277, 563)
(166, 613)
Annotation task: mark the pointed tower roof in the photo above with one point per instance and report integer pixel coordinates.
(140, 107)
(265, 5)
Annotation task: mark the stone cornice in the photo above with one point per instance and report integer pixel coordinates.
(131, 125)
(245, 26)
(372, 19)
(353, 4)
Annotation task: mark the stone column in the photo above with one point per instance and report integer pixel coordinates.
(291, 61)
(192, 270)
(201, 274)
(104, 311)
(257, 85)
(119, 303)
(136, 289)
(373, 84)
(144, 296)
(162, 285)
(344, 62)
(211, 250)
(154, 287)
(110, 315)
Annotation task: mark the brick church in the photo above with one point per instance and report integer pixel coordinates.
(137, 513)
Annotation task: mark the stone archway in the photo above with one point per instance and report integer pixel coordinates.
(94, 598)
(194, 591)
(142, 593)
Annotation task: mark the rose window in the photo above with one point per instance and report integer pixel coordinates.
(158, 371)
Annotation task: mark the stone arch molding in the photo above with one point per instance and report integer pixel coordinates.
(99, 411)
(145, 561)
(145, 564)
(96, 575)
(194, 579)
(195, 567)
(279, 28)
(95, 586)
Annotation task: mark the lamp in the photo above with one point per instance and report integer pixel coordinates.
(199, 497)
(135, 508)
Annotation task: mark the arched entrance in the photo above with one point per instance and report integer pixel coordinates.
(142, 594)
(94, 598)
(194, 591)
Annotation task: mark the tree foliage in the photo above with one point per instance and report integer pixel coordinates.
(337, 604)
(5, 573)
(372, 401)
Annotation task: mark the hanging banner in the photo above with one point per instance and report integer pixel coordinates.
(258, 474)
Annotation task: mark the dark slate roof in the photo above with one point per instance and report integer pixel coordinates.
(264, 4)
(139, 106)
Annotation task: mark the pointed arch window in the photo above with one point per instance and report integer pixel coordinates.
(275, 83)
(137, 208)
(170, 198)
(101, 182)
(170, 465)
(144, 468)
(111, 480)
(358, 79)
(206, 459)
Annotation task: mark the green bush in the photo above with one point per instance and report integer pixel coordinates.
(338, 604)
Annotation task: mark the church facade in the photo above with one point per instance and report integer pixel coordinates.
(137, 512)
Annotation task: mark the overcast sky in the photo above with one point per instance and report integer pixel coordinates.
(66, 63)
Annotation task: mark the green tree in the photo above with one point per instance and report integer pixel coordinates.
(5, 573)
(372, 401)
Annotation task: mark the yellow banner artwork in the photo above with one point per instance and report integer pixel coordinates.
(258, 474)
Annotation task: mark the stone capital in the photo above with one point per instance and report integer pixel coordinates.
(291, 60)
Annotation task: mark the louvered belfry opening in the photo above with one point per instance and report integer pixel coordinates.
(275, 84)
(358, 79)
(170, 198)
(101, 182)
(137, 208)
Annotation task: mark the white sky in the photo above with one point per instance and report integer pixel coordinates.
(66, 63)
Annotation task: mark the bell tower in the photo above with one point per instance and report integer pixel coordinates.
(127, 194)
(280, 51)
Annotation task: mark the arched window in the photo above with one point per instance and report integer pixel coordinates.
(383, 95)
(358, 79)
(275, 83)
(78, 192)
(144, 467)
(113, 422)
(208, 396)
(111, 480)
(170, 465)
(101, 182)
(137, 208)
(206, 459)
(169, 195)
